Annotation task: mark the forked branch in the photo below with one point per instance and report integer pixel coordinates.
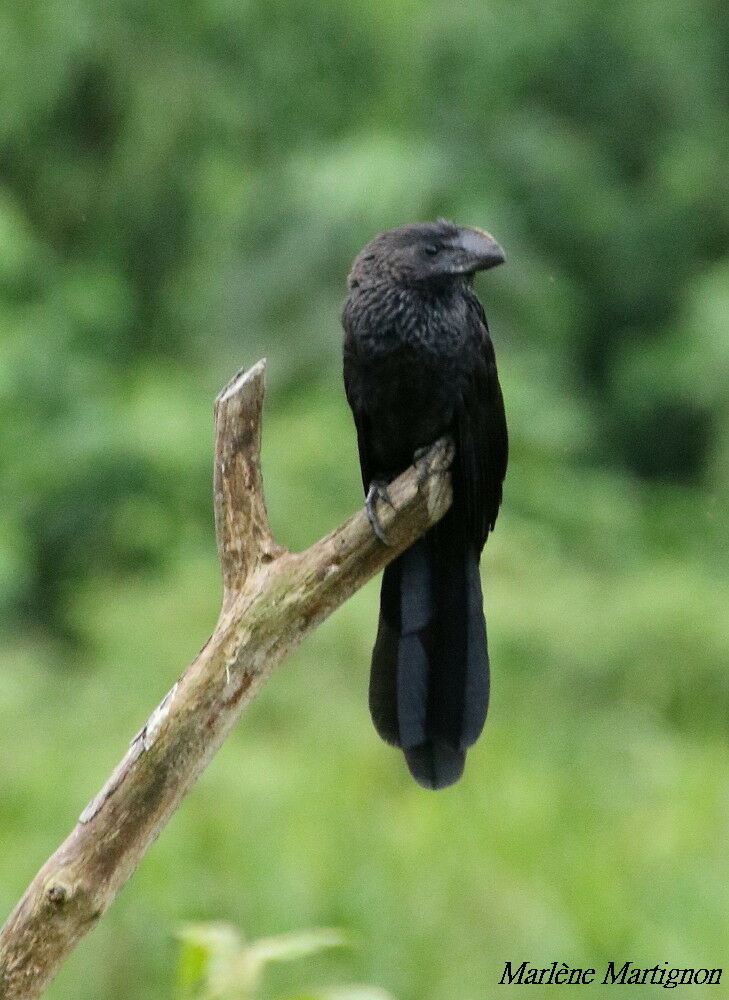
(271, 599)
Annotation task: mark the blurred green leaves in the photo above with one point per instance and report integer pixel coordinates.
(216, 964)
(183, 190)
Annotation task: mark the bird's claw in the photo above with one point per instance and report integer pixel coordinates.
(377, 491)
(433, 459)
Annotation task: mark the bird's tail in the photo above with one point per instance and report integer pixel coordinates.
(429, 684)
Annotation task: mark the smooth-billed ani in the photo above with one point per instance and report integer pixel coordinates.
(419, 364)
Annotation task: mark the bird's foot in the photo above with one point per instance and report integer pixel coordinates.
(434, 459)
(377, 491)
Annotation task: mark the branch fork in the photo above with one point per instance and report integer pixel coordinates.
(271, 599)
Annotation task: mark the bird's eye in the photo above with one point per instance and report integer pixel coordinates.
(431, 249)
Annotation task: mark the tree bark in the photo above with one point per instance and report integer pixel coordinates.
(271, 599)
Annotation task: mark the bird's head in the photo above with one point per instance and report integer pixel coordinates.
(425, 253)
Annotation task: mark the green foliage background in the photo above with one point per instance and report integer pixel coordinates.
(182, 187)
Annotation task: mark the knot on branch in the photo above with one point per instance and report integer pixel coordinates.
(64, 891)
(57, 893)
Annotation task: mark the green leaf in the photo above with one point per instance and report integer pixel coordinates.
(211, 938)
(210, 963)
(190, 969)
(298, 944)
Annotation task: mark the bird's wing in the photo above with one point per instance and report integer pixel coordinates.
(351, 386)
(481, 435)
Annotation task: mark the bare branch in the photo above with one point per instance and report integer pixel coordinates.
(271, 599)
(241, 523)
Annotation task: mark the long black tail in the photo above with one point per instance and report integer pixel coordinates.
(429, 684)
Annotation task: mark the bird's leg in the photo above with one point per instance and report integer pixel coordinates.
(377, 491)
(433, 459)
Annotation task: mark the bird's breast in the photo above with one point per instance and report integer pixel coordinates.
(408, 360)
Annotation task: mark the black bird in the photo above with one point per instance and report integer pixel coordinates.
(419, 364)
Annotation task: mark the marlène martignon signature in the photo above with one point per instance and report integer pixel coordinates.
(627, 974)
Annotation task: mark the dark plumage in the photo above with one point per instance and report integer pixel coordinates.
(418, 364)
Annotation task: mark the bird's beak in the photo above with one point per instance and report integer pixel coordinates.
(480, 250)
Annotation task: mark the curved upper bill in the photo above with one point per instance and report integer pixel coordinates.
(479, 250)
